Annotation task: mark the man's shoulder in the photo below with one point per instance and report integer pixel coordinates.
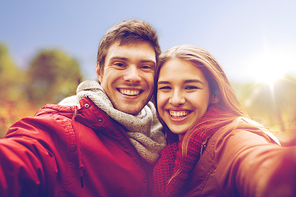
(65, 110)
(69, 101)
(85, 86)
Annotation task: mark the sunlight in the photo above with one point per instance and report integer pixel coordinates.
(270, 77)
(268, 69)
(271, 64)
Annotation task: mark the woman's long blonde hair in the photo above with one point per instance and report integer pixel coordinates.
(218, 82)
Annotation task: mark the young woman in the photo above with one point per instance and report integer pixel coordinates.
(213, 149)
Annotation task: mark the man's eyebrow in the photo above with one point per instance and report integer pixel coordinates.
(118, 58)
(126, 59)
(148, 61)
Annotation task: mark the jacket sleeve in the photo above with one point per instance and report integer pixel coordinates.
(27, 161)
(251, 165)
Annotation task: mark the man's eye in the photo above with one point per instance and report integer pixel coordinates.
(147, 67)
(119, 64)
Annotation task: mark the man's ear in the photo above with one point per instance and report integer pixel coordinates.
(99, 74)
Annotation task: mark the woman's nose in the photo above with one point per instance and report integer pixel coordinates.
(177, 98)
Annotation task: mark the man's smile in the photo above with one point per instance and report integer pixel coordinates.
(130, 92)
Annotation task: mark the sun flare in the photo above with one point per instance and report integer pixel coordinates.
(271, 64)
(270, 77)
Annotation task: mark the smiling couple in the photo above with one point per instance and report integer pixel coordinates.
(110, 140)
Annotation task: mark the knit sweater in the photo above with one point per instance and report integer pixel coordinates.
(144, 128)
(172, 160)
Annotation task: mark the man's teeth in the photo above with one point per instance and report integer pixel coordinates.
(178, 114)
(129, 92)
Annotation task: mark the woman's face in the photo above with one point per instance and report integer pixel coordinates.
(183, 95)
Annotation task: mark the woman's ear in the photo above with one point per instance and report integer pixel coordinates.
(216, 96)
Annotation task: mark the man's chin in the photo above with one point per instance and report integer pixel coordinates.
(132, 109)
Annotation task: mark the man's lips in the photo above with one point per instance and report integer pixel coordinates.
(129, 92)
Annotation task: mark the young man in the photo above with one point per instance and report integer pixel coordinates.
(100, 142)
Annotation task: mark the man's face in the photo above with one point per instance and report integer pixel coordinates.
(128, 75)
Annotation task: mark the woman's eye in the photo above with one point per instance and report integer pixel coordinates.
(164, 88)
(191, 87)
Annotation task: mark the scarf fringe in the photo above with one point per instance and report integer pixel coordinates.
(143, 129)
(178, 158)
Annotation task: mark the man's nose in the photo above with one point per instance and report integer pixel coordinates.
(132, 75)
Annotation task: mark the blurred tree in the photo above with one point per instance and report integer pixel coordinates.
(272, 104)
(10, 76)
(285, 94)
(11, 79)
(52, 75)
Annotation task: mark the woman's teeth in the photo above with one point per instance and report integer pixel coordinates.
(178, 114)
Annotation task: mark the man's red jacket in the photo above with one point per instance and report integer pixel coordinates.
(63, 151)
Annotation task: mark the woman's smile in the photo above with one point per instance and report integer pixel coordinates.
(181, 99)
(178, 114)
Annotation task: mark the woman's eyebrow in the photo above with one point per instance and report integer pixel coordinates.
(163, 82)
(186, 81)
(193, 80)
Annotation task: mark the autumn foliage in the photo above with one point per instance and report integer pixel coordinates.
(51, 76)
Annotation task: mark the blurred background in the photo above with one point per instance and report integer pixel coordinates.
(48, 47)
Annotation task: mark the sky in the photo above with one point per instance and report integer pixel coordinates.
(252, 40)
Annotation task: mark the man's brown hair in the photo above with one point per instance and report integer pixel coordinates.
(128, 31)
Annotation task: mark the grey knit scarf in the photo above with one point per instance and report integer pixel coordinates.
(144, 129)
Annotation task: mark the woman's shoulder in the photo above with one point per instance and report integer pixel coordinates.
(244, 129)
(236, 144)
